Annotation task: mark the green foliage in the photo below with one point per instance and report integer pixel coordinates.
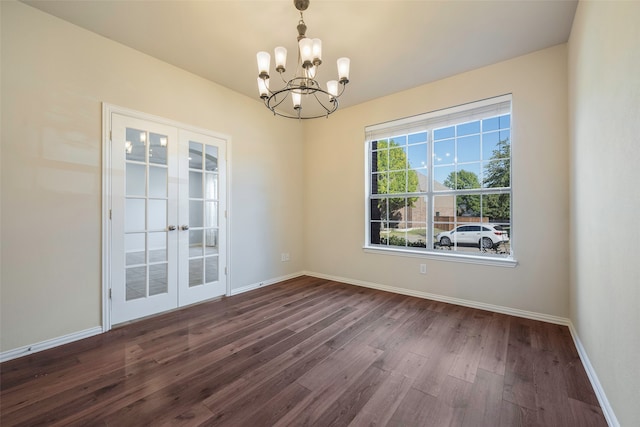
(494, 206)
(394, 178)
(462, 180)
(401, 241)
(468, 205)
(498, 169)
(498, 206)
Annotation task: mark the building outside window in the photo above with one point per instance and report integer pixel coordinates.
(440, 183)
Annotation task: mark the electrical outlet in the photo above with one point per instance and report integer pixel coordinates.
(423, 268)
(284, 256)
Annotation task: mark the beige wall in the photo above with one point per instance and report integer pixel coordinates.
(54, 78)
(604, 96)
(334, 189)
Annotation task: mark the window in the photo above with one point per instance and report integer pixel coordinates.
(440, 183)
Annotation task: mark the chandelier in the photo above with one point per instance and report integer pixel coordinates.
(303, 89)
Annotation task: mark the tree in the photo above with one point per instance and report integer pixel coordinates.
(498, 206)
(468, 204)
(498, 175)
(390, 174)
(397, 179)
(462, 180)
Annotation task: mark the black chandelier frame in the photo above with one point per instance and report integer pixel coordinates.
(303, 83)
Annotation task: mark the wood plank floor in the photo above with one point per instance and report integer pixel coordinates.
(308, 352)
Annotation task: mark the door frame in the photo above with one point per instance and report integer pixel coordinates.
(107, 111)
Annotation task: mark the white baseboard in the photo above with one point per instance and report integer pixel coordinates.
(457, 301)
(593, 378)
(607, 410)
(47, 344)
(75, 336)
(264, 283)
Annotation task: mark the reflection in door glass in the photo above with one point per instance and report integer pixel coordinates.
(157, 214)
(211, 186)
(158, 283)
(134, 215)
(158, 149)
(195, 155)
(211, 266)
(135, 146)
(211, 246)
(136, 179)
(195, 213)
(157, 181)
(211, 214)
(136, 283)
(158, 246)
(195, 272)
(195, 184)
(211, 163)
(134, 246)
(195, 243)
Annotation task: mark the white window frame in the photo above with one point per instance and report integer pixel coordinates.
(490, 107)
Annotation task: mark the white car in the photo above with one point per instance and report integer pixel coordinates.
(484, 236)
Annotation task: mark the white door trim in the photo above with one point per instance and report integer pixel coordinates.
(107, 111)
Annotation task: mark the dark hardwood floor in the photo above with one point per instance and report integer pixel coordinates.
(309, 352)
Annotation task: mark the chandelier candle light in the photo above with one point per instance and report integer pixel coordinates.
(303, 88)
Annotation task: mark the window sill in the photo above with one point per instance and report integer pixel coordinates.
(445, 256)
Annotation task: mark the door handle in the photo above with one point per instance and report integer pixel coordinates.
(171, 227)
(185, 227)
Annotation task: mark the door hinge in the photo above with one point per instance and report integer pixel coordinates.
(225, 214)
(109, 213)
(110, 293)
(225, 271)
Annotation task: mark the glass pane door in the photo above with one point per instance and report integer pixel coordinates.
(168, 227)
(203, 214)
(144, 212)
(202, 276)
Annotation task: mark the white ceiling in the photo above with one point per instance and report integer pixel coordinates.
(393, 44)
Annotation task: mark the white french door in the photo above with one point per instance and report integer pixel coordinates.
(201, 212)
(168, 217)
